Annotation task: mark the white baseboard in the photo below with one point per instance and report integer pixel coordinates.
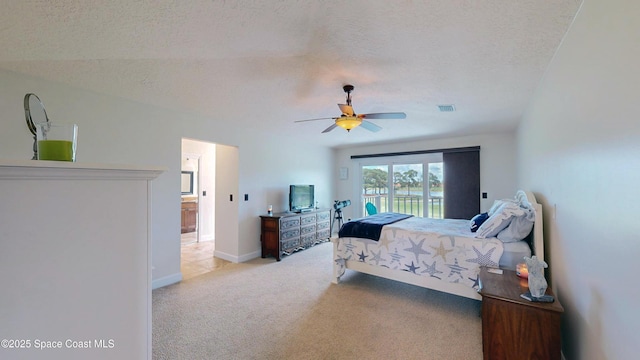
(167, 280)
(249, 256)
(236, 259)
(207, 237)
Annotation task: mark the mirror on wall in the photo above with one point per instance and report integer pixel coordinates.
(187, 183)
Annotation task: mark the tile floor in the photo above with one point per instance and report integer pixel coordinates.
(197, 258)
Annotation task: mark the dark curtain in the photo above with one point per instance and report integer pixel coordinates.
(461, 184)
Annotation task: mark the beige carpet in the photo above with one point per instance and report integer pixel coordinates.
(265, 309)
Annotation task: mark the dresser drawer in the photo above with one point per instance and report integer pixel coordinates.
(308, 239)
(289, 222)
(288, 234)
(309, 229)
(307, 219)
(323, 216)
(270, 224)
(324, 234)
(323, 225)
(290, 245)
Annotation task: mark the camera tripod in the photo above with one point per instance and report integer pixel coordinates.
(337, 216)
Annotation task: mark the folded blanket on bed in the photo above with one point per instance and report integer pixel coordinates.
(370, 227)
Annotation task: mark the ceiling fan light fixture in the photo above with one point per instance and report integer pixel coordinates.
(348, 122)
(349, 119)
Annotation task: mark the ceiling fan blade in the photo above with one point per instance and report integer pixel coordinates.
(393, 115)
(324, 118)
(330, 128)
(346, 109)
(370, 126)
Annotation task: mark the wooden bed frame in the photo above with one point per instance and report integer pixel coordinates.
(431, 282)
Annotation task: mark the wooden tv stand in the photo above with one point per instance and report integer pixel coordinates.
(287, 232)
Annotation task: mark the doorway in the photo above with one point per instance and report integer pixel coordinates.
(190, 201)
(198, 184)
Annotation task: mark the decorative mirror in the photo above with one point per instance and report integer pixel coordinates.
(35, 114)
(187, 183)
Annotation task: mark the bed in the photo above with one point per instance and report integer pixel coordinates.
(441, 254)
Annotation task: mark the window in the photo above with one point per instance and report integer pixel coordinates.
(408, 189)
(397, 184)
(375, 187)
(435, 203)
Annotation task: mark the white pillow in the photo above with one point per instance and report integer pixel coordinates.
(496, 205)
(520, 226)
(500, 219)
(521, 198)
(518, 229)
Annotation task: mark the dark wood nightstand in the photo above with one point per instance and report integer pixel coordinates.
(515, 328)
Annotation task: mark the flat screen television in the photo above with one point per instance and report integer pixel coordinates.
(301, 197)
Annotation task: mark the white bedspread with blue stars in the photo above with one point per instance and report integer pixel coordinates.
(445, 249)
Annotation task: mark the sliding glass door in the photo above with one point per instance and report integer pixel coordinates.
(375, 187)
(408, 189)
(435, 198)
(399, 185)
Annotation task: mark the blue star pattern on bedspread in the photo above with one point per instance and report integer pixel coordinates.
(396, 257)
(456, 269)
(339, 263)
(350, 246)
(376, 257)
(431, 270)
(476, 281)
(362, 257)
(412, 268)
(441, 249)
(417, 248)
(484, 259)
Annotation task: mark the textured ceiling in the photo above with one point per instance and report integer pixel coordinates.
(265, 64)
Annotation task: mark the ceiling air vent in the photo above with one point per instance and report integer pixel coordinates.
(446, 108)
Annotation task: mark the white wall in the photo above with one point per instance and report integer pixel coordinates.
(579, 152)
(266, 171)
(227, 199)
(115, 130)
(497, 165)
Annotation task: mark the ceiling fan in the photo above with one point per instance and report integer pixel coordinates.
(349, 120)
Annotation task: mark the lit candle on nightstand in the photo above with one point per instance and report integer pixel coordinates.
(522, 271)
